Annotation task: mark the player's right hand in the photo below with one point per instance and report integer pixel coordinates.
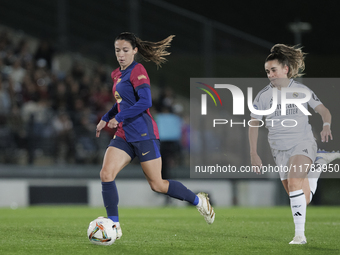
(100, 126)
(256, 163)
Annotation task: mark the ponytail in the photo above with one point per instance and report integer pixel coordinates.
(150, 51)
(292, 57)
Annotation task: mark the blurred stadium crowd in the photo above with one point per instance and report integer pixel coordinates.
(53, 115)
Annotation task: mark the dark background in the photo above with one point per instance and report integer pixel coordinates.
(269, 20)
(89, 27)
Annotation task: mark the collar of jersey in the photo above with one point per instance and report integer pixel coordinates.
(129, 67)
(290, 83)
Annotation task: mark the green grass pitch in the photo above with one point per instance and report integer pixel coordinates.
(168, 230)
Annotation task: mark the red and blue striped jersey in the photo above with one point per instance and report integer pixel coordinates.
(131, 89)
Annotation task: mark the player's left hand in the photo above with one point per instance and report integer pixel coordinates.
(113, 123)
(325, 133)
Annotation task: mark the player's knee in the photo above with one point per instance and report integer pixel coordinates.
(106, 175)
(294, 184)
(158, 187)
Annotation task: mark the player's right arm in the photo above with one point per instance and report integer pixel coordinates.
(106, 118)
(253, 137)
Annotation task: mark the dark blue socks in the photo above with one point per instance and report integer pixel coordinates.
(111, 199)
(110, 196)
(179, 191)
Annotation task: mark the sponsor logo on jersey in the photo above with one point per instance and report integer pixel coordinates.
(142, 76)
(143, 134)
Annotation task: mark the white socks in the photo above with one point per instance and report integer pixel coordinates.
(313, 183)
(298, 205)
(298, 199)
(199, 202)
(117, 224)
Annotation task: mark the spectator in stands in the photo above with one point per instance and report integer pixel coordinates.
(169, 128)
(77, 71)
(60, 97)
(44, 53)
(86, 146)
(36, 115)
(64, 138)
(5, 44)
(22, 51)
(32, 98)
(5, 98)
(17, 73)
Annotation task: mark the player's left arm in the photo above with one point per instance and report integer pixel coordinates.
(327, 120)
(141, 84)
(144, 102)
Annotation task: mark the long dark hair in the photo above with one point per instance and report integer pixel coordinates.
(150, 51)
(290, 56)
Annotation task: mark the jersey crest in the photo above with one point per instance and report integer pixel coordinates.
(118, 97)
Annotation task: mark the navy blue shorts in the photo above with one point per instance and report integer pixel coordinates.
(144, 150)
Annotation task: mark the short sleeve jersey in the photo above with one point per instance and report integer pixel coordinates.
(126, 84)
(285, 131)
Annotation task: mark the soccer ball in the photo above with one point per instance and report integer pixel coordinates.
(102, 231)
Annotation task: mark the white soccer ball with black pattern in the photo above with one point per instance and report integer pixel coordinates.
(102, 231)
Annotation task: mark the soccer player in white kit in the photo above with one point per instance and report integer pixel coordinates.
(293, 147)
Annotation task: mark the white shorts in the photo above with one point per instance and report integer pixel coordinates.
(281, 157)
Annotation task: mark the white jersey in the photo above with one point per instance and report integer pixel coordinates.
(285, 131)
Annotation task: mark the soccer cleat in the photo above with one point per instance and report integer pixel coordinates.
(327, 156)
(205, 209)
(118, 230)
(299, 240)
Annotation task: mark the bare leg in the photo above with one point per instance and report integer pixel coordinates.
(153, 172)
(114, 161)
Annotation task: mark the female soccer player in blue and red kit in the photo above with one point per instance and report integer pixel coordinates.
(137, 132)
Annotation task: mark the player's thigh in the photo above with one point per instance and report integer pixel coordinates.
(299, 166)
(114, 161)
(302, 156)
(152, 169)
(153, 173)
(281, 158)
(148, 152)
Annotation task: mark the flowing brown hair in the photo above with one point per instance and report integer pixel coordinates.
(290, 56)
(150, 51)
